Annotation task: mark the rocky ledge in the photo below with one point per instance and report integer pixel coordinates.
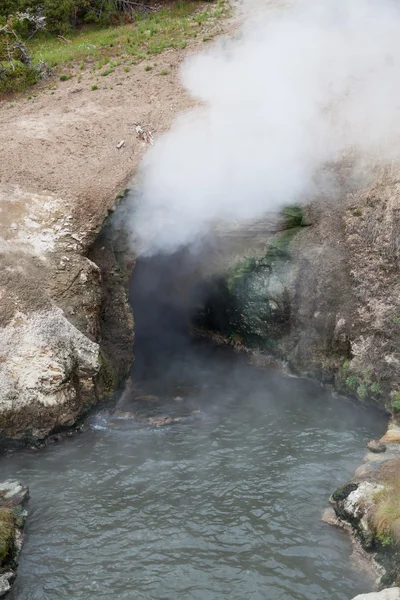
(13, 499)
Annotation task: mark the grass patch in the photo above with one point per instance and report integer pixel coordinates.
(94, 88)
(164, 72)
(107, 72)
(149, 34)
(386, 517)
(65, 77)
(7, 531)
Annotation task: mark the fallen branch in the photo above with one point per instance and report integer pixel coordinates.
(63, 39)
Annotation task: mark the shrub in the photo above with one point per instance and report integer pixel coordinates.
(17, 79)
(16, 69)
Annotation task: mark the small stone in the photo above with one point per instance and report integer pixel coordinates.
(120, 414)
(146, 398)
(376, 446)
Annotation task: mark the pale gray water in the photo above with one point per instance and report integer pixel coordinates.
(225, 506)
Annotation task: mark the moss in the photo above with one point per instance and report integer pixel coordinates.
(342, 492)
(395, 398)
(7, 533)
(293, 216)
(106, 374)
(352, 382)
(384, 538)
(19, 515)
(346, 365)
(357, 212)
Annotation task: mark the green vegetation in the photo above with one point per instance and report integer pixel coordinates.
(361, 383)
(16, 67)
(148, 34)
(396, 320)
(94, 88)
(395, 397)
(352, 382)
(293, 217)
(386, 517)
(376, 388)
(90, 36)
(7, 529)
(107, 72)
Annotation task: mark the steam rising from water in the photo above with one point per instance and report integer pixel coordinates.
(296, 89)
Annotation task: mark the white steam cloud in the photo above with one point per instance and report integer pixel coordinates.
(292, 92)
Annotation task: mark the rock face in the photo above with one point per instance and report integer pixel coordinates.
(13, 499)
(324, 293)
(389, 594)
(52, 369)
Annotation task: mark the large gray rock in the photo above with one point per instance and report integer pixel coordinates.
(389, 594)
(51, 319)
(47, 373)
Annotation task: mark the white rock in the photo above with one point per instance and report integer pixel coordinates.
(42, 357)
(359, 501)
(5, 583)
(389, 594)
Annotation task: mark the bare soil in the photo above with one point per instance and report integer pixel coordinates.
(63, 142)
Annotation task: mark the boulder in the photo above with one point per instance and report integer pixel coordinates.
(376, 446)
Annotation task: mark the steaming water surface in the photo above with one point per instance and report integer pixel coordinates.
(224, 504)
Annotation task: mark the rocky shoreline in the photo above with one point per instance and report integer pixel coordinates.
(367, 506)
